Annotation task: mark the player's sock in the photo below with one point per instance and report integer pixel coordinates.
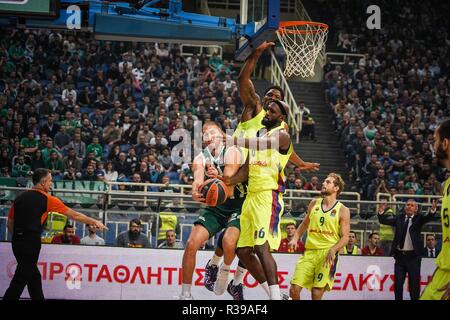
(215, 260)
(239, 275)
(275, 293)
(222, 279)
(186, 290)
(265, 286)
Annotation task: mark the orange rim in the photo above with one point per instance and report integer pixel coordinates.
(284, 25)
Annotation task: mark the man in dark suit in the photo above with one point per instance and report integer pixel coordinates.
(430, 251)
(407, 245)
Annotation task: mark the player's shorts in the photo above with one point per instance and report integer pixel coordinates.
(260, 219)
(214, 219)
(310, 271)
(440, 278)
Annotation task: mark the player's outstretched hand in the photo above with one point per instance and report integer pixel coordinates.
(264, 46)
(446, 289)
(310, 167)
(329, 260)
(100, 226)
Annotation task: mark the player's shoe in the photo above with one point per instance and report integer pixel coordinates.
(221, 283)
(285, 297)
(210, 276)
(237, 292)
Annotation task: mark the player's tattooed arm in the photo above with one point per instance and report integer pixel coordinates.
(247, 92)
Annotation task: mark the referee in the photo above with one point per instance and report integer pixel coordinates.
(26, 217)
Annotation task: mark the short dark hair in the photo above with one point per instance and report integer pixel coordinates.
(373, 234)
(136, 221)
(39, 174)
(68, 226)
(276, 88)
(444, 130)
(353, 233)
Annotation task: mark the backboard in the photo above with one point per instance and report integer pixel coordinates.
(261, 18)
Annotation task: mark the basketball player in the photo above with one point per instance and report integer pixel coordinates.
(439, 287)
(211, 163)
(328, 224)
(255, 110)
(263, 206)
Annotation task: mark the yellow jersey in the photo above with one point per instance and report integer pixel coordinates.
(250, 128)
(443, 259)
(323, 229)
(353, 252)
(266, 167)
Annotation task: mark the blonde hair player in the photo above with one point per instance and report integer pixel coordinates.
(439, 287)
(328, 226)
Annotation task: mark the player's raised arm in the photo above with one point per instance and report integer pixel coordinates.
(247, 92)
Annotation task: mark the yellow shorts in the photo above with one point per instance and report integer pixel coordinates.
(260, 219)
(311, 273)
(440, 278)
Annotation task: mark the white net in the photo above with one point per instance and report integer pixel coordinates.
(302, 42)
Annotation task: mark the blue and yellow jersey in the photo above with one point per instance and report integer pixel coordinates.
(266, 167)
(323, 229)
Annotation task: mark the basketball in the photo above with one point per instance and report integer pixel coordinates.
(214, 191)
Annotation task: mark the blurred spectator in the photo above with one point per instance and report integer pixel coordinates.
(430, 250)
(50, 127)
(30, 144)
(313, 184)
(37, 161)
(290, 232)
(171, 241)
(92, 239)
(55, 165)
(71, 160)
(351, 248)
(372, 248)
(290, 182)
(133, 238)
(78, 145)
(308, 124)
(110, 173)
(21, 169)
(67, 237)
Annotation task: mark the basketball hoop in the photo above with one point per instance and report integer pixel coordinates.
(302, 41)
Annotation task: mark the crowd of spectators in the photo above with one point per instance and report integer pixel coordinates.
(105, 111)
(388, 103)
